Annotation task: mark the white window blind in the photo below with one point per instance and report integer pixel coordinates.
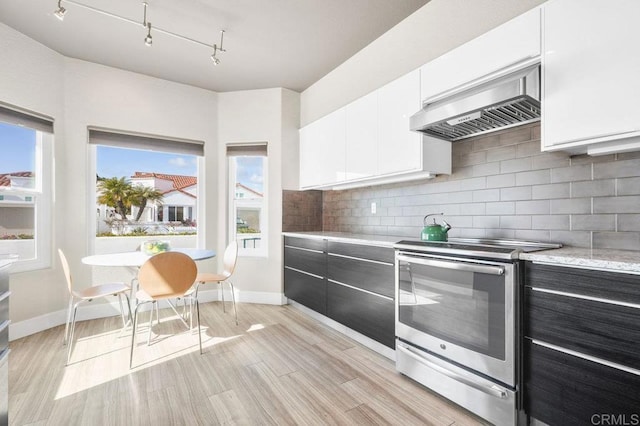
(22, 117)
(247, 149)
(98, 136)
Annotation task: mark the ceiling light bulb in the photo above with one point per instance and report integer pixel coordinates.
(148, 40)
(59, 13)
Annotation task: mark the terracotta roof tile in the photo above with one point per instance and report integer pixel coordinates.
(179, 181)
(5, 178)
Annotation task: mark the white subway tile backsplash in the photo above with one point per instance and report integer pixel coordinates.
(504, 187)
(536, 177)
(593, 188)
(593, 222)
(533, 207)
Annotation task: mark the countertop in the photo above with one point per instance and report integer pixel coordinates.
(603, 259)
(379, 240)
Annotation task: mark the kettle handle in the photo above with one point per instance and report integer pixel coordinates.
(424, 221)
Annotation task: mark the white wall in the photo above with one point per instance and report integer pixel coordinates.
(31, 77)
(77, 94)
(258, 116)
(432, 30)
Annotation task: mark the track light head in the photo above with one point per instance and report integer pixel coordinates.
(215, 60)
(148, 40)
(60, 11)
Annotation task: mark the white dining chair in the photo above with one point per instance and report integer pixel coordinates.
(229, 266)
(87, 295)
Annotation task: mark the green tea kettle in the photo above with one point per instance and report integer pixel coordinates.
(433, 231)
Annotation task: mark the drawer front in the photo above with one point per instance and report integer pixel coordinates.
(4, 335)
(305, 260)
(307, 290)
(600, 284)
(308, 243)
(4, 306)
(4, 279)
(561, 389)
(375, 277)
(365, 313)
(602, 330)
(380, 254)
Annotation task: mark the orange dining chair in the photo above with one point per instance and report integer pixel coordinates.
(229, 266)
(167, 275)
(87, 295)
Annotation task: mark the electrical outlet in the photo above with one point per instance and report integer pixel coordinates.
(373, 208)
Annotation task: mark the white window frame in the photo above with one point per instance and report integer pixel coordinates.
(262, 251)
(92, 197)
(43, 212)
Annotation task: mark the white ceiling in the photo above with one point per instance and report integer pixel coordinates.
(269, 43)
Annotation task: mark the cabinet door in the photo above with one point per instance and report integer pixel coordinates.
(590, 68)
(308, 290)
(362, 137)
(562, 389)
(363, 312)
(322, 151)
(512, 43)
(399, 149)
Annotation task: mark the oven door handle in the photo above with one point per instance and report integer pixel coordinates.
(492, 390)
(459, 266)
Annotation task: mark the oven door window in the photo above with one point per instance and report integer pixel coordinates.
(466, 308)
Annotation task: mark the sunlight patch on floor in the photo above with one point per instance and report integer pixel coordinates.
(103, 357)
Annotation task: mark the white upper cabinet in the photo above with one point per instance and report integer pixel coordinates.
(322, 151)
(591, 64)
(362, 137)
(399, 149)
(500, 51)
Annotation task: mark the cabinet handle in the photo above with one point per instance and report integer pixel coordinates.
(591, 298)
(586, 357)
(4, 295)
(304, 272)
(361, 289)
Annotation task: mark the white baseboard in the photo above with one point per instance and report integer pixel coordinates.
(87, 311)
(360, 338)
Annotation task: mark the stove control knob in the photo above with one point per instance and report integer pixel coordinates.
(443, 346)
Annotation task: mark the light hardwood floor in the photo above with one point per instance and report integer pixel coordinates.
(277, 366)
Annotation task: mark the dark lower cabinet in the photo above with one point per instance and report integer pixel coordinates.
(306, 289)
(581, 346)
(350, 283)
(369, 314)
(562, 389)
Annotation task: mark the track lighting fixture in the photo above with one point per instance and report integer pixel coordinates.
(148, 40)
(217, 49)
(60, 11)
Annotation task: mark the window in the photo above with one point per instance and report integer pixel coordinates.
(248, 198)
(25, 188)
(145, 187)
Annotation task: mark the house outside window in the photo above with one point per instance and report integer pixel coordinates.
(26, 146)
(247, 198)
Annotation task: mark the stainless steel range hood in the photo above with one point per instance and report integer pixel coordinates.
(509, 101)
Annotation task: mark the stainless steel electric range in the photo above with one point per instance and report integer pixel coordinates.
(457, 321)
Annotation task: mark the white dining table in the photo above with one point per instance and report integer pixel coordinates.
(137, 258)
